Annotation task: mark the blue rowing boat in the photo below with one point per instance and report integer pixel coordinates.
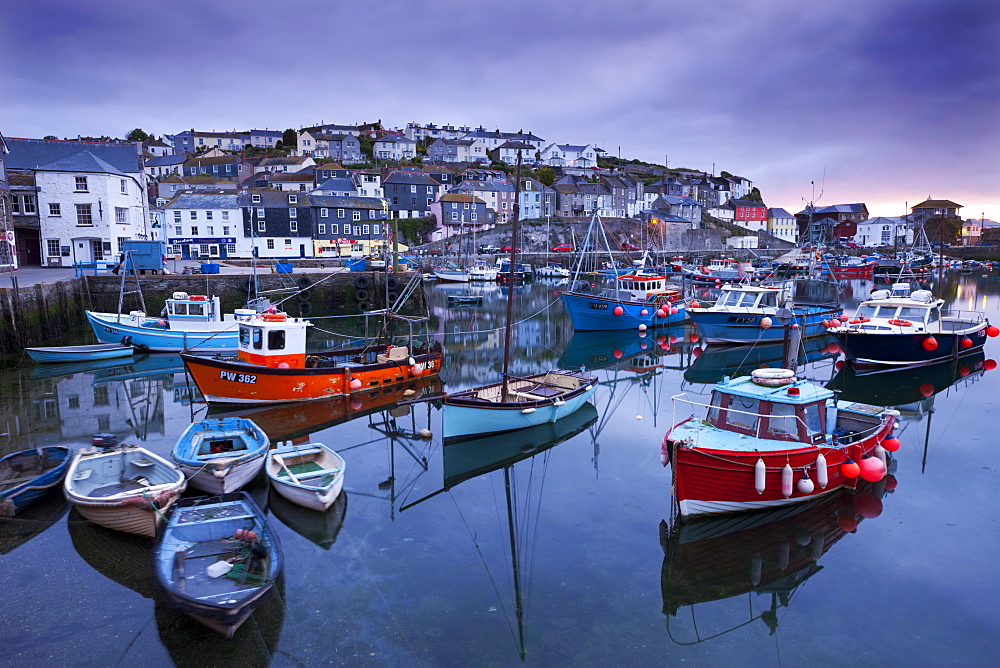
(63, 354)
(26, 476)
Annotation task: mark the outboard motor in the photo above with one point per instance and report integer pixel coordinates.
(105, 441)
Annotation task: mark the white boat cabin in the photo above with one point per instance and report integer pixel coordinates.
(897, 309)
(272, 339)
(747, 298)
(642, 287)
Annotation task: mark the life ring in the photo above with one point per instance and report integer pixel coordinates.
(305, 308)
(361, 295)
(274, 317)
(198, 298)
(773, 377)
(901, 323)
(392, 283)
(361, 282)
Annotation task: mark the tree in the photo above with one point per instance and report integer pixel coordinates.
(940, 228)
(367, 148)
(290, 138)
(50, 137)
(137, 135)
(754, 195)
(726, 175)
(546, 176)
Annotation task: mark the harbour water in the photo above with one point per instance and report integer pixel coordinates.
(547, 547)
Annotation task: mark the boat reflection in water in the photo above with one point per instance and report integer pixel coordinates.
(320, 528)
(710, 564)
(624, 349)
(292, 421)
(480, 456)
(32, 521)
(714, 362)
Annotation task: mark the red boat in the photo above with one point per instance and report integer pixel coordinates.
(271, 365)
(769, 440)
(847, 269)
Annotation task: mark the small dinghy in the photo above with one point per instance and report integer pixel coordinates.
(26, 476)
(221, 455)
(217, 559)
(126, 488)
(310, 475)
(62, 354)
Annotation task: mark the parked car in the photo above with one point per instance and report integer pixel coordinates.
(852, 244)
(488, 248)
(507, 249)
(629, 246)
(562, 248)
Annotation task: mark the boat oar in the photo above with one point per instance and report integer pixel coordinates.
(282, 464)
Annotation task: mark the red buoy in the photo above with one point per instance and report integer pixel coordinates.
(644, 312)
(989, 365)
(890, 482)
(643, 345)
(617, 353)
(694, 304)
(926, 389)
(868, 505)
(930, 343)
(966, 342)
(618, 310)
(992, 330)
(832, 347)
(964, 371)
(847, 523)
(850, 469)
(664, 345)
(891, 444)
(842, 318)
(839, 365)
(872, 469)
(694, 337)
(696, 352)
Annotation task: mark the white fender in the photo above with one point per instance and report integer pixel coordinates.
(756, 566)
(759, 475)
(784, 549)
(805, 485)
(822, 475)
(879, 452)
(786, 481)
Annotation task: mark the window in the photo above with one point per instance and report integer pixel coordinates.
(324, 213)
(194, 230)
(178, 231)
(81, 184)
(743, 412)
(30, 204)
(466, 205)
(371, 214)
(194, 215)
(103, 423)
(395, 200)
(334, 229)
(225, 230)
(293, 199)
(429, 200)
(121, 215)
(15, 204)
(210, 231)
(356, 215)
(365, 230)
(293, 213)
(230, 249)
(52, 247)
(321, 228)
(375, 230)
(73, 401)
(225, 215)
(177, 216)
(101, 396)
(293, 226)
(782, 421)
(208, 215)
(260, 213)
(413, 189)
(124, 187)
(276, 339)
(288, 242)
(454, 215)
(83, 214)
(54, 209)
(270, 244)
(258, 338)
(260, 225)
(473, 216)
(255, 198)
(340, 213)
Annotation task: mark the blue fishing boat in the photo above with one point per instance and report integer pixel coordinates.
(187, 322)
(26, 476)
(637, 300)
(217, 559)
(714, 363)
(908, 327)
(64, 354)
(221, 455)
(761, 313)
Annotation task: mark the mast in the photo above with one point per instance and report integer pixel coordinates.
(518, 601)
(513, 256)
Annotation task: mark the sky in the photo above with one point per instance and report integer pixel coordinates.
(885, 102)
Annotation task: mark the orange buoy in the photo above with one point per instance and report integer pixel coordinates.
(964, 371)
(660, 313)
(891, 444)
(966, 342)
(694, 304)
(869, 506)
(765, 322)
(872, 469)
(926, 389)
(355, 384)
(618, 310)
(930, 343)
(992, 330)
(832, 347)
(694, 337)
(989, 365)
(617, 353)
(850, 469)
(696, 351)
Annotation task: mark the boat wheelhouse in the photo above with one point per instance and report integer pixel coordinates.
(638, 299)
(738, 316)
(768, 440)
(903, 326)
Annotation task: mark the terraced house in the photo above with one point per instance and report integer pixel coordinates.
(279, 224)
(348, 226)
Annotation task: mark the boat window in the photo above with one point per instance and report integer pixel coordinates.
(244, 336)
(276, 339)
(912, 314)
(782, 421)
(769, 299)
(810, 415)
(713, 412)
(196, 309)
(935, 315)
(180, 309)
(258, 338)
(743, 412)
(729, 299)
(866, 311)
(748, 299)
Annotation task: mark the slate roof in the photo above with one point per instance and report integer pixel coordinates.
(291, 176)
(937, 204)
(166, 160)
(750, 203)
(85, 161)
(410, 178)
(461, 197)
(290, 160)
(339, 202)
(342, 183)
(33, 153)
(207, 162)
(778, 212)
(202, 200)
(272, 198)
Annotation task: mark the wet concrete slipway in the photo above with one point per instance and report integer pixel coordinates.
(546, 548)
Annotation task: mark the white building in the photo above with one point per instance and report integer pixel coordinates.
(201, 225)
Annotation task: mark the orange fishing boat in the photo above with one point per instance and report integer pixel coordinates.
(272, 366)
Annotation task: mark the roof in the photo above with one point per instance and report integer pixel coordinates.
(410, 178)
(937, 204)
(748, 203)
(289, 160)
(461, 197)
(745, 387)
(394, 139)
(202, 200)
(32, 153)
(778, 212)
(338, 183)
(291, 176)
(85, 161)
(272, 198)
(202, 162)
(335, 202)
(165, 160)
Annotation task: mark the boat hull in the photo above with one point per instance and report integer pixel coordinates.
(868, 348)
(111, 328)
(232, 381)
(314, 497)
(56, 355)
(745, 327)
(464, 417)
(234, 478)
(855, 271)
(594, 313)
(451, 276)
(19, 491)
